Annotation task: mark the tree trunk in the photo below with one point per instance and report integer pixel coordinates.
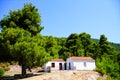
(23, 70)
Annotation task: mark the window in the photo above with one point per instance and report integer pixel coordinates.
(53, 64)
(85, 64)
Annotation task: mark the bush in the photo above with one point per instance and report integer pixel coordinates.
(99, 79)
(1, 72)
(5, 66)
(13, 63)
(108, 66)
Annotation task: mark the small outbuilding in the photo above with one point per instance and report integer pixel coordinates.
(80, 63)
(55, 64)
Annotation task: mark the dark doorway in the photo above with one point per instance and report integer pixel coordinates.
(65, 65)
(69, 66)
(60, 66)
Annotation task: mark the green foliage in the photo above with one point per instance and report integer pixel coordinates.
(107, 66)
(18, 37)
(78, 44)
(1, 72)
(52, 47)
(107, 59)
(9, 37)
(27, 18)
(104, 45)
(42, 57)
(72, 44)
(5, 66)
(13, 63)
(112, 78)
(99, 79)
(27, 52)
(85, 41)
(116, 46)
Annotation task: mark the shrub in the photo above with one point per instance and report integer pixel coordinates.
(1, 72)
(99, 79)
(13, 63)
(5, 66)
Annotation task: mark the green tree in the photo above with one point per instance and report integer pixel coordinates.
(13, 37)
(27, 50)
(105, 47)
(4, 50)
(73, 44)
(85, 41)
(107, 60)
(94, 49)
(20, 39)
(52, 47)
(26, 53)
(9, 37)
(27, 18)
(63, 49)
(108, 66)
(50, 42)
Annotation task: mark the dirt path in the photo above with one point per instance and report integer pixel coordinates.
(67, 75)
(14, 69)
(57, 75)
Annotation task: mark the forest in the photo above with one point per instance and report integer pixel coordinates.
(21, 41)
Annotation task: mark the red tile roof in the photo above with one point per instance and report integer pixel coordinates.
(81, 58)
(58, 60)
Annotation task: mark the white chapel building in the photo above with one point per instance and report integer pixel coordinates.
(80, 63)
(55, 64)
(72, 63)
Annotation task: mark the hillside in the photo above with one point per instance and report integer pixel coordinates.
(115, 45)
(68, 75)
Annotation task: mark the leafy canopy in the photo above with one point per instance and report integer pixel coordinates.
(27, 18)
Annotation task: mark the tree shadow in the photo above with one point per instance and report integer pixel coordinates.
(19, 76)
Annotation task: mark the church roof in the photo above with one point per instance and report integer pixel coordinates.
(81, 58)
(58, 60)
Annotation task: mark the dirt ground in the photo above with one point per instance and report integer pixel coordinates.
(57, 75)
(16, 69)
(67, 75)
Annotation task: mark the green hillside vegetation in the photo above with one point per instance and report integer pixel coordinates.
(115, 45)
(21, 41)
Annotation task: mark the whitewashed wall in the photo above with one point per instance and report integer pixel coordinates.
(69, 65)
(48, 64)
(79, 64)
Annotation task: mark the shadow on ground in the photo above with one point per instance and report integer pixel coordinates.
(20, 76)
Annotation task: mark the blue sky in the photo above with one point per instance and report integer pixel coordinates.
(60, 18)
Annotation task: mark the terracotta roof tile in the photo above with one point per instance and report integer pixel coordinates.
(81, 58)
(58, 60)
